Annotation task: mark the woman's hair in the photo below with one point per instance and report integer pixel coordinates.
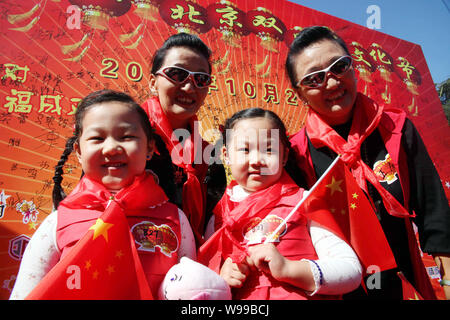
(93, 98)
(180, 40)
(304, 39)
(291, 165)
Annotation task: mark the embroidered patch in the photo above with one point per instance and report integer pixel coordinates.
(149, 236)
(385, 170)
(257, 230)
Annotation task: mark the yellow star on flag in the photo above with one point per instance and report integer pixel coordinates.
(110, 269)
(415, 297)
(119, 254)
(101, 229)
(335, 185)
(355, 195)
(353, 206)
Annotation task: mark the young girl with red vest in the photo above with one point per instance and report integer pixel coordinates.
(113, 140)
(304, 261)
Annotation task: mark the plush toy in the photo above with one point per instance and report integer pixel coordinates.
(190, 280)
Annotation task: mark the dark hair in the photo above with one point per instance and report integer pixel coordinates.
(304, 39)
(291, 165)
(93, 98)
(180, 40)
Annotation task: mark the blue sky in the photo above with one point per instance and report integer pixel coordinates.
(424, 22)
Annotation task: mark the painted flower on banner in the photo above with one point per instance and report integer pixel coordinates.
(229, 20)
(185, 16)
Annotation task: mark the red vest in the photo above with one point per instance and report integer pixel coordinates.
(294, 243)
(153, 223)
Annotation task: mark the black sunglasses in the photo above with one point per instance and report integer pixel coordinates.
(316, 79)
(179, 75)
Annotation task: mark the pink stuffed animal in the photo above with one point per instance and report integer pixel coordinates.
(190, 280)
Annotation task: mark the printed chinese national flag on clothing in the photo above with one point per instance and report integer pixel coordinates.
(338, 204)
(104, 264)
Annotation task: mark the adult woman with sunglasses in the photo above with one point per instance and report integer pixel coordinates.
(370, 140)
(180, 76)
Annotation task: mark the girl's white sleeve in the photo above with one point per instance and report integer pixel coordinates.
(337, 269)
(40, 255)
(187, 242)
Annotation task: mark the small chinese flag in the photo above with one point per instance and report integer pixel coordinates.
(409, 293)
(337, 203)
(104, 264)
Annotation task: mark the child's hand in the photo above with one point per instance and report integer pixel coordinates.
(268, 259)
(234, 274)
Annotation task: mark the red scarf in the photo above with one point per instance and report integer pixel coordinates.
(193, 194)
(226, 241)
(366, 117)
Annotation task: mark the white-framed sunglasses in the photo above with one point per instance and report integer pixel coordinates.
(179, 75)
(317, 78)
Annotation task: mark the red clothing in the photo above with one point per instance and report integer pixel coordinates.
(367, 117)
(250, 221)
(190, 159)
(154, 222)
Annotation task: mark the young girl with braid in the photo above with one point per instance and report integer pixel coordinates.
(113, 140)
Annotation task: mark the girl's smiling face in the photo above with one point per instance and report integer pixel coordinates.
(180, 101)
(113, 146)
(255, 153)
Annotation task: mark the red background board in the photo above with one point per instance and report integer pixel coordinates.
(47, 64)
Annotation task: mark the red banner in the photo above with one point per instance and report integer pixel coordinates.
(53, 54)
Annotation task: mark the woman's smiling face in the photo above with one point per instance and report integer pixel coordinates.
(180, 101)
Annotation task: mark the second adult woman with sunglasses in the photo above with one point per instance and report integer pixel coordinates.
(180, 76)
(383, 150)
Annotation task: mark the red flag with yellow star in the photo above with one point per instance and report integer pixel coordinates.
(338, 204)
(104, 264)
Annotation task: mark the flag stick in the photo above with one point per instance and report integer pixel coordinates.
(273, 235)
